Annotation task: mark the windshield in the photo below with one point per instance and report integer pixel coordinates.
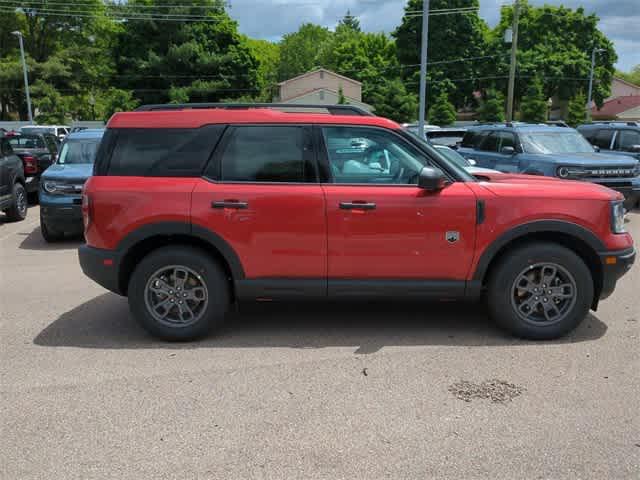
(77, 152)
(454, 156)
(27, 141)
(555, 142)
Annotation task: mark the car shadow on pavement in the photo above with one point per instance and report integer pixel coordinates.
(34, 241)
(105, 322)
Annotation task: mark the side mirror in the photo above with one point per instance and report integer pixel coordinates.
(472, 162)
(431, 179)
(508, 150)
(596, 148)
(634, 149)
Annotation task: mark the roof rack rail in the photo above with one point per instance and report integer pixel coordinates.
(291, 107)
(629, 123)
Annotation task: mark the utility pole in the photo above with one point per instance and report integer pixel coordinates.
(512, 66)
(423, 67)
(18, 34)
(593, 65)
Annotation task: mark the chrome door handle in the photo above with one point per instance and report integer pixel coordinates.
(357, 206)
(230, 204)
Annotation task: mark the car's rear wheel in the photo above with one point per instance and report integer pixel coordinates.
(18, 210)
(179, 293)
(540, 291)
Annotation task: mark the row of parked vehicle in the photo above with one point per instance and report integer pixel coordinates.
(605, 153)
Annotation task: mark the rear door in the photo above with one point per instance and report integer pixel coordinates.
(382, 228)
(261, 195)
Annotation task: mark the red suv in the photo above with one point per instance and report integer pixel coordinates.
(194, 207)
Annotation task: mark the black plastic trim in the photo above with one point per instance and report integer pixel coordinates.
(332, 109)
(396, 289)
(612, 273)
(92, 264)
(540, 226)
(480, 212)
(281, 289)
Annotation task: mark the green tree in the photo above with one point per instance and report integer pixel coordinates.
(632, 77)
(390, 99)
(442, 112)
(555, 45)
(350, 22)
(451, 38)
(533, 107)
(576, 110)
(267, 54)
(299, 50)
(341, 98)
(492, 107)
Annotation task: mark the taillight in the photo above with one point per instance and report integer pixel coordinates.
(30, 165)
(86, 210)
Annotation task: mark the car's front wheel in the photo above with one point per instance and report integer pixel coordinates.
(179, 293)
(18, 210)
(540, 291)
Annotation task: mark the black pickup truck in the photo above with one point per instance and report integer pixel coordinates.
(37, 151)
(13, 196)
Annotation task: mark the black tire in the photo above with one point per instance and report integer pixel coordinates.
(18, 210)
(503, 298)
(49, 235)
(210, 275)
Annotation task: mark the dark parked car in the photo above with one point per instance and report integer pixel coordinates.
(13, 196)
(622, 138)
(553, 152)
(37, 151)
(61, 185)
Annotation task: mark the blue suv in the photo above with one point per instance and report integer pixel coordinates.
(551, 151)
(621, 138)
(61, 185)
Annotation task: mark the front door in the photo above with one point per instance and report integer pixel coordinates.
(262, 196)
(383, 231)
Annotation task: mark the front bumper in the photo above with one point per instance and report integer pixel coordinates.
(62, 218)
(614, 266)
(101, 266)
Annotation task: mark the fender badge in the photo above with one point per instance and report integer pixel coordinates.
(452, 237)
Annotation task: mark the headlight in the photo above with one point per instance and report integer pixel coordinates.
(570, 172)
(50, 187)
(617, 217)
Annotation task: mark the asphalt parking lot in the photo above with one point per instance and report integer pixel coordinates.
(304, 391)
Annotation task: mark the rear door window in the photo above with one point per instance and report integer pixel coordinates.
(163, 152)
(268, 154)
(490, 143)
(506, 139)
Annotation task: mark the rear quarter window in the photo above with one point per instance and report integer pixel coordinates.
(158, 152)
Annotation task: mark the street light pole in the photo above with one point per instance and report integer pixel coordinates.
(24, 71)
(423, 67)
(512, 66)
(593, 65)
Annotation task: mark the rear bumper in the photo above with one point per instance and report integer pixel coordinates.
(614, 266)
(32, 183)
(101, 266)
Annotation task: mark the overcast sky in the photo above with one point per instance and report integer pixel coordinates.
(270, 19)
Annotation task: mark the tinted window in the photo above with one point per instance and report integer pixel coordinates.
(5, 147)
(490, 144)
(589, 134)
(268, 154)
(368, 155)
(603, 139)
(627, 139)
(52, 144)
(473, 139)
(163, 152)
(27, 141)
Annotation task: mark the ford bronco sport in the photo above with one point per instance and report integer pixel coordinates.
(193, 207)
